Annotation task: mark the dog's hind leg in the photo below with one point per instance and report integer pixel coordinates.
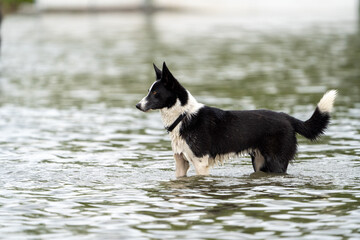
(279, 151)
(252, 155)
(257, 160)
(182, 165)
(274, 165)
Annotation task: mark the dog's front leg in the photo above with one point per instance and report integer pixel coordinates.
(201, 165)
(182, 165)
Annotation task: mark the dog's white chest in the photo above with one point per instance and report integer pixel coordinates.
(169, 116)
(178, 144)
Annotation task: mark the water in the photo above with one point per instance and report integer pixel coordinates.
(78, 161)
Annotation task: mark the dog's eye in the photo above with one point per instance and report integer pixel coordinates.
(154, 92)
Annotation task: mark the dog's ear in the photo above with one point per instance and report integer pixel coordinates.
(157, 72)
(173, 85)
(167, 77)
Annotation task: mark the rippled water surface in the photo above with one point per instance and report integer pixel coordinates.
(78, 161)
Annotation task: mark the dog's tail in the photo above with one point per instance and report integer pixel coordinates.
(316, 125)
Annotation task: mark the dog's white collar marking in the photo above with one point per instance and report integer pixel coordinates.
(175, 123)
(143, 101)
(169, 115)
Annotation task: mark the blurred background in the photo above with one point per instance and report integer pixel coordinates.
(78, 161)
(88, 51)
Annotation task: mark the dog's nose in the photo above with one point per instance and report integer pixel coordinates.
(138, 106)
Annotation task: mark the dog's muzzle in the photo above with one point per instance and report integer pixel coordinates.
(138, 106)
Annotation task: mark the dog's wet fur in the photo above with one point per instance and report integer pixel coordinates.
(205, 136)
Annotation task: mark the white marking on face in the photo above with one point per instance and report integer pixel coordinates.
(152, 86)
(143, 101)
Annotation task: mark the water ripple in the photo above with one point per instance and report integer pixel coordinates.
(80, 162)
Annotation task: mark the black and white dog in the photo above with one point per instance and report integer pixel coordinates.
(206, 135)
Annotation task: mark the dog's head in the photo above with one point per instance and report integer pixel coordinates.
(164, 92)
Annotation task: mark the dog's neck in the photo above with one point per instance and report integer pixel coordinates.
(169, 115)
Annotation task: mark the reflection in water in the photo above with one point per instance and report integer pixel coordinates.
(246, 205)
(79, 161)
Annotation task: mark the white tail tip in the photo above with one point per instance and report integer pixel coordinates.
(327, 101)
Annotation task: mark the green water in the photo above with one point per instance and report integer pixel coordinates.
(78, 161)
